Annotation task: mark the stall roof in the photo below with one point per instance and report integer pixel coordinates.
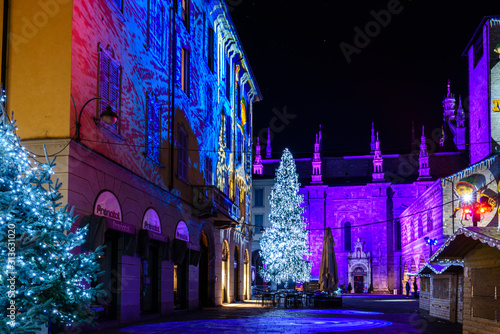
(463, 241)
(430, 269)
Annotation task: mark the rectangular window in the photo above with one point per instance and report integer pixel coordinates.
(182, 154)
(208, 171)
(228, 80)
(211, 49)
(109, 86)
(420, 227)
(153, 129)
(185, 71)
(209, 99)
(239, 147)
(440, 288)
(259, 197)
(228, 132)
(237, 196)
(157, 29)
(186, 8)
(226, 185)
(412, 231)
(258, 221)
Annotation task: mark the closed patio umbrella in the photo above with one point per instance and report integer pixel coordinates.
(328, 274)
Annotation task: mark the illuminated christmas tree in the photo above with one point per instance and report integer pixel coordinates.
(284, 245)
(41, 279)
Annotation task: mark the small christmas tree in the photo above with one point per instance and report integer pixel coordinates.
(284, 245)
(41, 281)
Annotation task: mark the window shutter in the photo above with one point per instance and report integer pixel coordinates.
(104, 81)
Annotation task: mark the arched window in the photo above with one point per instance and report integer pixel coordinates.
(347, 236)
(397, 235)
(429, 221)
(412, 231)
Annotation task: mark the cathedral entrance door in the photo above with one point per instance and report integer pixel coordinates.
(359, 284)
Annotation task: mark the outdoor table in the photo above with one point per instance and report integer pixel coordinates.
(270, 296)
(292, 299)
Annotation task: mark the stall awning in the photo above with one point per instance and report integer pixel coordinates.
(463, 241)
(436, 269)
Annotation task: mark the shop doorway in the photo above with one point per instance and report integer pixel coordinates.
(110, 280)
(236, 274)
(359, 284)
(204, 271)
(180, 284)
(150, 282)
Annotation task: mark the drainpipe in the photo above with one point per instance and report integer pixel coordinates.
(173, 9)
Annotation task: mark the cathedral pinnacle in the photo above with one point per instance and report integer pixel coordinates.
(316, 162)
(423, 160)
(258, 168)
(449, 105)
(378, 171)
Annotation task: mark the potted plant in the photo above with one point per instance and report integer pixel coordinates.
(349, 287)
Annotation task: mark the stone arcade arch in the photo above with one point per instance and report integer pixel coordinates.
(225, 272)
(246, 276)
(236, 278)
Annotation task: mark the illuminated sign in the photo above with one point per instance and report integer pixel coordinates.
(107, 205)
(151, 221)
(182, 232)
(496, 104)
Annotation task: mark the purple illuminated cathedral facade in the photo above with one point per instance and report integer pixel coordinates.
(383, 208)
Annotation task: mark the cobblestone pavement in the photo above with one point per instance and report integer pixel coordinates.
(359, 314)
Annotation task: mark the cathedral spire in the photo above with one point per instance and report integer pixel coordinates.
(423, 159)
(268, 148)
(449, 105)
(258, 168)
(372, 142)
(378, 170)
(316, 162)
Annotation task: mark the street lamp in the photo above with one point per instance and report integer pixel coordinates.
(430, 242)
(108, 116)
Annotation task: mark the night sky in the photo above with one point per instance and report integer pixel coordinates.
(399, 76)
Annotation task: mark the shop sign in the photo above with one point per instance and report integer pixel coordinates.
(119, 226)
(107, 206)
(182, 232)
(151, 221)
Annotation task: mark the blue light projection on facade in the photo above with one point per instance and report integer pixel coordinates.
(261, 325)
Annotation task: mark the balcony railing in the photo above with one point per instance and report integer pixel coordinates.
(210, 202)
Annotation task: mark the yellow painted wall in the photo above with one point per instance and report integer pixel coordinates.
(39, 67)
(1, 32)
